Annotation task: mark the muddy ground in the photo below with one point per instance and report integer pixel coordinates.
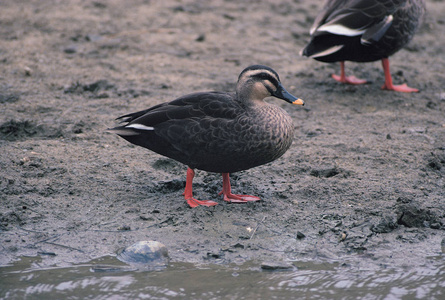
(363, 183)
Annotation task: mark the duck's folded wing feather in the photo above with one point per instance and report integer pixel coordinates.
(354, 18)
(193, 129)
(188, 108)
(375, 32)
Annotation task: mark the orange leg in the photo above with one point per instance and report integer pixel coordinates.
(388, 81)
(188, 193)
(229, 197)
(347, 79)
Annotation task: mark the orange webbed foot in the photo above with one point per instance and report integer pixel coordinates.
(399, 88)
(188, 192)
(388, 85)
(349, 79)
(234, 198)
(192, 202)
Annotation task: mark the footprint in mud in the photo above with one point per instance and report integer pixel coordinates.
(14, 130)
(328, 172)
(9, 98)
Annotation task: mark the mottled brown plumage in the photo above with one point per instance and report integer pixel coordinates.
(218, 132)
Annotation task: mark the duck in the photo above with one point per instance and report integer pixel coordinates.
(364, 31)
(216, 131)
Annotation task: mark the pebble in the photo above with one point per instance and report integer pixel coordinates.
(273, 265)
(145, 255)
(124, 228)
(435, 226)
(27, 71)
(70, 49)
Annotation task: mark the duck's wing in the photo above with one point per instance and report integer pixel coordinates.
(365, 18)
(189, 107)
(328, 9)
(184, 129)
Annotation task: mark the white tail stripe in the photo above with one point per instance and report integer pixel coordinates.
(340, 30)
(140, 126)
(327, 51)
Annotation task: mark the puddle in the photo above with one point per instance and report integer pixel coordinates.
(106, 278)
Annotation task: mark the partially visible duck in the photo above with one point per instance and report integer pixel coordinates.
(364, 31)
(218, 132)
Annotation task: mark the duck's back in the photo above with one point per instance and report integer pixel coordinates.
(366, 30)
(212, 132)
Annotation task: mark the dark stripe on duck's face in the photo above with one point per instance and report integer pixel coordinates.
(270, 80)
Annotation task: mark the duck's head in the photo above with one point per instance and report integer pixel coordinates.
(258, 82)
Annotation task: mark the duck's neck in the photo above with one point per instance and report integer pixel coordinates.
(251, 94)
(249, 101)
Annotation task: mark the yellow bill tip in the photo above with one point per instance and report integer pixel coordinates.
(298, 102)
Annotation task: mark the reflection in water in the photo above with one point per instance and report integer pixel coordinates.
(421, 283)
(180, 280)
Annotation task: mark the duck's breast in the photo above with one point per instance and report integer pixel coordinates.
(257, 136)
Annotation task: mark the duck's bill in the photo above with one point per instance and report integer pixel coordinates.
(288, 97)
(298, 102)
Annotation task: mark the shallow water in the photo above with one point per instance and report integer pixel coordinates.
(97, 280)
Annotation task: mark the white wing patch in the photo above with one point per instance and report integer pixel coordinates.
(327, 51)
(340, 30)
(140, 127)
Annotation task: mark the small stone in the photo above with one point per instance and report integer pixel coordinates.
(273, 265)
(412, 216)
(385, 225)
(211, 255)
(70, 49)
(201, 38)
(300, 235)
(25, 160)
(404, 200)
(27, 71)
(342, 236)
(145, 254)
(431, 105)
(238, 245)
(146, 218)
(435, 226)
(124, 228)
